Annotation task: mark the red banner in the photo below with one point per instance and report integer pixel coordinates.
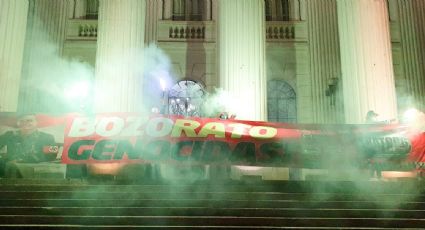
(126, 138)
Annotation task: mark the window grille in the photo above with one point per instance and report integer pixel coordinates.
(281, 102)
(186, 98)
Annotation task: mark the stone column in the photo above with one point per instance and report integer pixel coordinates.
(241, 56)
(13, 18)
(153, 13)
(366, 60)
(119, 57)
(48, 18)
(412, 33)
(324, 69)
(44, 40)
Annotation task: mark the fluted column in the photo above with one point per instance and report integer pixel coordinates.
(48, 22)
(119, 57)
(13, 22)
(153, 12)
(241, 56)
(45, 36)
(366, 60)
(412, 31)
(323, 38)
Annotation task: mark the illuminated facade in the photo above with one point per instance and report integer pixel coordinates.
(306, 61)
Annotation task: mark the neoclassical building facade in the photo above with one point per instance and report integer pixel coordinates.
(303, 61)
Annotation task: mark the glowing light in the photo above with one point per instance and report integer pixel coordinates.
(410, 115)
(78, 90)
(163, 84)
(398, 174)
(249, 168)
(106, 169)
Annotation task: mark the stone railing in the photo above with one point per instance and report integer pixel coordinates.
(204, 31)
(280, 32)
(87, 30)
(193, 31)
(81, 29)
(286, 31)
(187, 32)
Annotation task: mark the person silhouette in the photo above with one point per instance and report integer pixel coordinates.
(26, 144)
(374, 163)
(371, 117)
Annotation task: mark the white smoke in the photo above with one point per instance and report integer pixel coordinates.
(220, 101)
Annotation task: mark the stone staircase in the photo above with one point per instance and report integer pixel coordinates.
(109, 204)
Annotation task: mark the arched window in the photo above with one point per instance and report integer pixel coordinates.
(186, 98)
(281, 102)
(277, 10)
(188, 10)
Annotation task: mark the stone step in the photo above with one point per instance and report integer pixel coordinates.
(238, 205)
(181, 203)
(209, 212)
(272, 196)
(163, 221)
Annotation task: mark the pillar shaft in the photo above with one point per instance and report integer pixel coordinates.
(412, 31)
(119, 57)
(323, 35)
(366, 60)
(153, 12)
(45, 35)
(241, 56)
(13, 22)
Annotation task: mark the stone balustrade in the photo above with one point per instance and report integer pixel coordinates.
(192, 31)
(81, 29)
(280, 31)
(87, 30)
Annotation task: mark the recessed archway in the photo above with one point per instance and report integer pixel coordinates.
(281, 102)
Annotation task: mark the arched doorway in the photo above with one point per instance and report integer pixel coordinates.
(281, 102)
(185, 98)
